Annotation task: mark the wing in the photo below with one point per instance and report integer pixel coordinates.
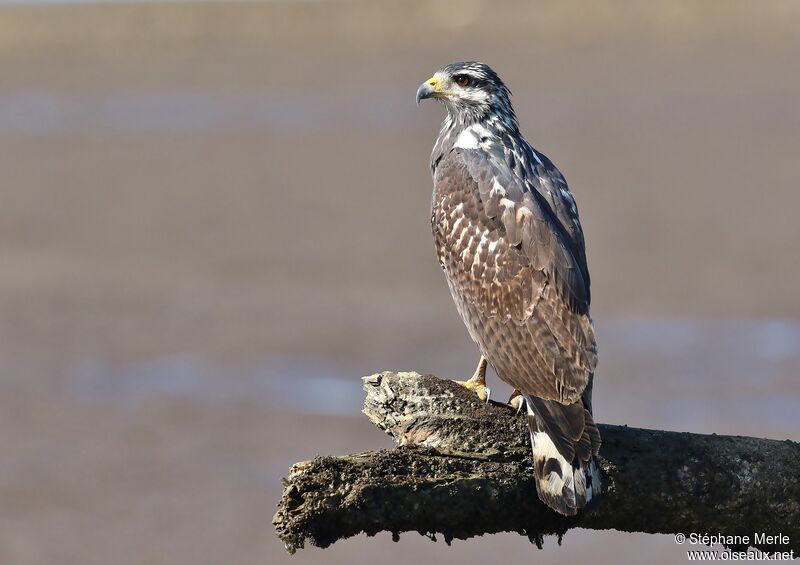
(552, 186)
(538, 213)
(526, 287)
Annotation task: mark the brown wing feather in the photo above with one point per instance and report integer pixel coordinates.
(514, 278)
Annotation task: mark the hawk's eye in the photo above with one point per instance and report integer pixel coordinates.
(462, 80)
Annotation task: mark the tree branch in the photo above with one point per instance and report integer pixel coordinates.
(463, 469)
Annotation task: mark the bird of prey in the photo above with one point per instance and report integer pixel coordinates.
(512, 249)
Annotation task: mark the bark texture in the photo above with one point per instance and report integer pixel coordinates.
(463, 469)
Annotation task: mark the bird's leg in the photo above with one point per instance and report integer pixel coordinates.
(516, 399)
(477, 382)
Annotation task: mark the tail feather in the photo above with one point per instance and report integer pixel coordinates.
(593, 433)
(568, 478)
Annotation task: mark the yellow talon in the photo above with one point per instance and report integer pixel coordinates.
(477, 383)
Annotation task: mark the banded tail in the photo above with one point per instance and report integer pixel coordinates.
(564, 440)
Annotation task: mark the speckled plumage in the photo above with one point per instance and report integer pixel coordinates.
(511, 246)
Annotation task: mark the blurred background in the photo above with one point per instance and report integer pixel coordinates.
(215, 220)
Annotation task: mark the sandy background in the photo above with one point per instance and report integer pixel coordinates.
(215, 219)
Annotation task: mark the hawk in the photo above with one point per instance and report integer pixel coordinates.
(511, 246)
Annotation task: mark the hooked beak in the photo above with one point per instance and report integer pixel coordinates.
(428, 89)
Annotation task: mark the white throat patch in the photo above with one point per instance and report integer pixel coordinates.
(473, 137)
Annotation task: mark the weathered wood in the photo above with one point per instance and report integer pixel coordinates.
(463, 469)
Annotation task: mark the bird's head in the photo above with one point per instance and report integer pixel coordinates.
(470, 91)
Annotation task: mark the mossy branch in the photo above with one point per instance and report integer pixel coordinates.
(463, 469)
